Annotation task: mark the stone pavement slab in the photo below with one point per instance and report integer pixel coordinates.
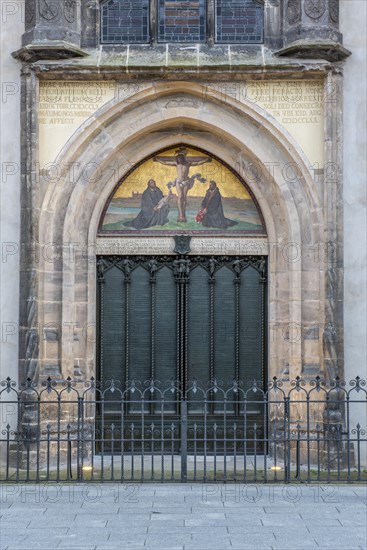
(183, 517)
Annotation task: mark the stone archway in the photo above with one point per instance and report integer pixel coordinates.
(63, 282)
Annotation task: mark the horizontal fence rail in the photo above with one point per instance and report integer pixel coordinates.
(66, 431)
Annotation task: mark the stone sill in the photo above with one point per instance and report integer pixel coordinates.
(48, 50)
(176, 57)
(146, 61)
(318, 49)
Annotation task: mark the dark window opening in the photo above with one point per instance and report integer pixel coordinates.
(239, 21)
(181, 21)
(125, 21)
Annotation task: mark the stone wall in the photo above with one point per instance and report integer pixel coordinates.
(353, 17)
(12, 27)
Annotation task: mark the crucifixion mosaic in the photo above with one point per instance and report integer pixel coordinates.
(182, 189)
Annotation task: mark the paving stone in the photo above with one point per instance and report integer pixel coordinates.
(171, 504)
(302, 545)
(255, 541)
(170, 511)
(279, 510)
(168, 517)
(169, 540)
(213, 545)
(246, 531)
(45, 526)
(234, 513)
(204, 522)
(275, 521)
(193, 525)
(204, 509)
(353, 540)
(36, 546)
(341, 545)
(123, 530)
(158, 527)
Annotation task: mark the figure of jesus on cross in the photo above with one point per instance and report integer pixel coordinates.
(183, 182)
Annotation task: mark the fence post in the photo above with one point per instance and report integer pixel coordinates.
(183, 441)
(287, 441)
(298, 452)
(80, 439)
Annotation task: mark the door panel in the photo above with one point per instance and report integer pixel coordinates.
(112, 326)
(181, 318)
(252, 337)
(198, 331)
(224, 325)
(165, 326)
(140, 326)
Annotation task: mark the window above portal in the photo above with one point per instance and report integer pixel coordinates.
(125, 21)
(182, 21)
(239, 21)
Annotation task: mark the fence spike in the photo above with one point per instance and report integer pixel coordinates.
(39, 431)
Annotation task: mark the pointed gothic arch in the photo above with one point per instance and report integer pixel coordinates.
(243, 136)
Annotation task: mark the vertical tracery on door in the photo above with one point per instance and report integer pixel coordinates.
(182, 317)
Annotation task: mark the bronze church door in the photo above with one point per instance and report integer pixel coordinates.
(184, 319)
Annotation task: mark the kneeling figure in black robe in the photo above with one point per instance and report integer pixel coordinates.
(152, 213)
(212, 205)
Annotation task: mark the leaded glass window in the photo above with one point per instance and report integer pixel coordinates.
(239, 21)
(125, 21)
(181, 20)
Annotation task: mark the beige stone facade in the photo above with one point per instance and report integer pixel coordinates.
(237, 103)
(299, 204)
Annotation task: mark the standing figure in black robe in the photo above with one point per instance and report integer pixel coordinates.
(213, 209)
(154, 208)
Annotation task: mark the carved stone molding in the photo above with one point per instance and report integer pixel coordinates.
(29, 14)
(334, 10)
(293, 11)
(315, 8)
(49, 10)
(70, 10)
(182, 244)
(165, 245)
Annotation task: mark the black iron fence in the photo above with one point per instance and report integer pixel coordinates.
(80, 431)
